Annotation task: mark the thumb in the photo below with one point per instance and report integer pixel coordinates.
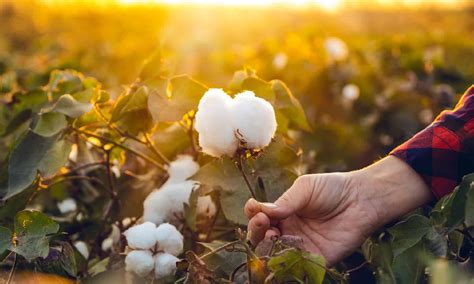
(293, 200)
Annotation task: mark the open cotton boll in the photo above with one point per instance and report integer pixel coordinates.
(182, 168)
(213, 123)
(140, 262)
(141, 236)
(165, 203)
(205, 206)
(350, 92)
(82, 248)
(253, 119)
(165, 265)
(67, 205)
(336, 48)
(169, 239)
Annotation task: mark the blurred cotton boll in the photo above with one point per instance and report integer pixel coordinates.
(165, 265)
(140, 262)
(205, 206)
(169, 239)
(336, 49)
(82, 248)
(73, 153)
(182, 168)
(280, 60)
(350, 92)
(141, 236)
(254, 120)
(67, 205)
(166, 203)
(213, 123)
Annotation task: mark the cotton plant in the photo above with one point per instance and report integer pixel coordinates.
(153, 248)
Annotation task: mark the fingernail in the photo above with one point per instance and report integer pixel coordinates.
(269, 205)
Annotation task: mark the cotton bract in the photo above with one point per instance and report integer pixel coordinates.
(182, 168)
(169, 239)
(216, 135)
(140, 262)
(165, 203)
(141, 236)
(253, 119)
(165, 265)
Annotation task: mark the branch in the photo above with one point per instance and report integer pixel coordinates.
(136, 153)
(239, 164)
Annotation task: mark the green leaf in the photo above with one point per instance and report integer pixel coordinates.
(190, 210)
(183, 95)
(5, 239)
(131, 112)
(223, 261)
(32, 230)
(32, 100)
(50, 123)
(295, 264)
(470, 207)
(24, 161)
(408, 267)
(60, 261)
(17, 121)
(68, 105)
(55, 158)
(287, 104)
(65, 82)
(408, 233)
(261, 88)
(379, 254)
(224, 174)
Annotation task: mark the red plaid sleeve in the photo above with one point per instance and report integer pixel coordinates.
(443, 152)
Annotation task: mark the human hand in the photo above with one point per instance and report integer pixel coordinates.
(334, 213)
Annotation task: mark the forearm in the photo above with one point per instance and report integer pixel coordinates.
(392, 188)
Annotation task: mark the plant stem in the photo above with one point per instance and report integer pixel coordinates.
(212, 252)
(191, 137)
(214, 220)
(10, 276)
(136, 153)
(239, 164)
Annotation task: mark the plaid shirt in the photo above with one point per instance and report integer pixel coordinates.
(443, 152)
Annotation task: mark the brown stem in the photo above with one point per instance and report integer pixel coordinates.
(136, 153)
(191, 138)
(239, 164)
(212, 252)
(10, 276)
(214, 220)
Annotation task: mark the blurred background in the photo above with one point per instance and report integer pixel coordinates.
(369, 74)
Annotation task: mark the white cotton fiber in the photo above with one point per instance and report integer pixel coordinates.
(182, 168)
(169, 239)
(213, 123)
(350, 92)
(141, 236)
(82, 248)
(336, 48)
(205, 206)
(140, 262)
(67, 205)
(253, 119)
(165, 265)
(166, 203)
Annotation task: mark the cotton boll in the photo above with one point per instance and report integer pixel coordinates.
(205, 206)
(82, 248)
(253, 119)
(165, 203)
(140, 262)
(141, 236)
(213, 123)
(336, 48)
(169, 239)
(67, 205)
(182, 168)
(73, 153)
(165, 265)
(350, 92)
(280, 60)
(107, 244)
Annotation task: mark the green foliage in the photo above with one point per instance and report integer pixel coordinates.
(294, 264)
